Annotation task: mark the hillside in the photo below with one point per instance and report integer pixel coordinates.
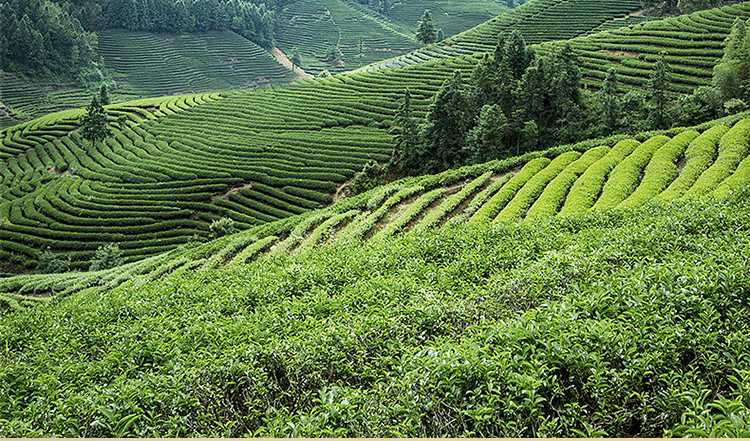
(175, 63)
(693, 43)
(147, 64)
(537, 21)
(617, 172)
(253, 157)
(623, 323)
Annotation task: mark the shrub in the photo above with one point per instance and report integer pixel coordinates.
(107, 256)
(369, 178)
(50, 262)
(221, 227)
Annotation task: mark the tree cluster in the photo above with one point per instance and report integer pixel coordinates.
(517, 101)
(513, 101)
(254, 21)
(40, 38)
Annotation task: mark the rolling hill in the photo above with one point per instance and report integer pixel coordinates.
(692, 44)
(549, 327)
(254, 157)
(366, 39)
(618, 172)
(595, 289)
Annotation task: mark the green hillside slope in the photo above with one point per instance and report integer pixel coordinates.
(147, 64)
(253, 157)
(167, 64)
(693, 44)
(617, 172)
(313, 27)
(619, 323)
(537, 20)
(451, 16)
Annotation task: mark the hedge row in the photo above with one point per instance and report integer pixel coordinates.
(699, 155)
(324, 230)
(625, 176)
(733, 148)
(358, 229)
(434, 217)
(588, 187)
(525, 197)
(489, 211)
(415, 209)
(661, 170)
(554, 194)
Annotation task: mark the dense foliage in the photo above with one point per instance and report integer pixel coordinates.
(618, 323)
(40, 37)
(517, 99)
(256, 22)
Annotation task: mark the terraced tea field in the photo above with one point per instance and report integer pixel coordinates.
(693, 45)
(538, 21)
(622, 172)
(166, 64)
(24, 100)
(314, 26)
(452, 16)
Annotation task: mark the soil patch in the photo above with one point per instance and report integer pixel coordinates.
(281, 57)
(233, 190)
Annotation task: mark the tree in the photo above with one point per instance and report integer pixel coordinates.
(296, 59)
(405, 138)
(491, 137)
(108, 256)
(50, 262)
(658, 99)
(221, 227)
(103, 95)
(94, 126)
(515, 55)
(732, 74)
(334, 54)
(444, 133)
(611, 110)
(440, 35)
(426, 32)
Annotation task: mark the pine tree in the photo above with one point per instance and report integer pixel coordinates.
(489, 139)
(658, 99)
(610, 103)
(516, 56)
(426, 33)
(405, 138)
(94, 126)
(449, 119)
(440, 35)
(103, 95)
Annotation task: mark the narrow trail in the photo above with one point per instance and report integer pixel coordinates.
(281, 57)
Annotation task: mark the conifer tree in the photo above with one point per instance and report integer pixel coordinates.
(610, 103)
(103, 95)
(405, 138)
(426, 32)
(446, 124)
(94, 126)
(658, 100)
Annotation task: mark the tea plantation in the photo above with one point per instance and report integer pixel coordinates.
(692, 44)
(618, 172)
(593, 289)
(625, 322)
